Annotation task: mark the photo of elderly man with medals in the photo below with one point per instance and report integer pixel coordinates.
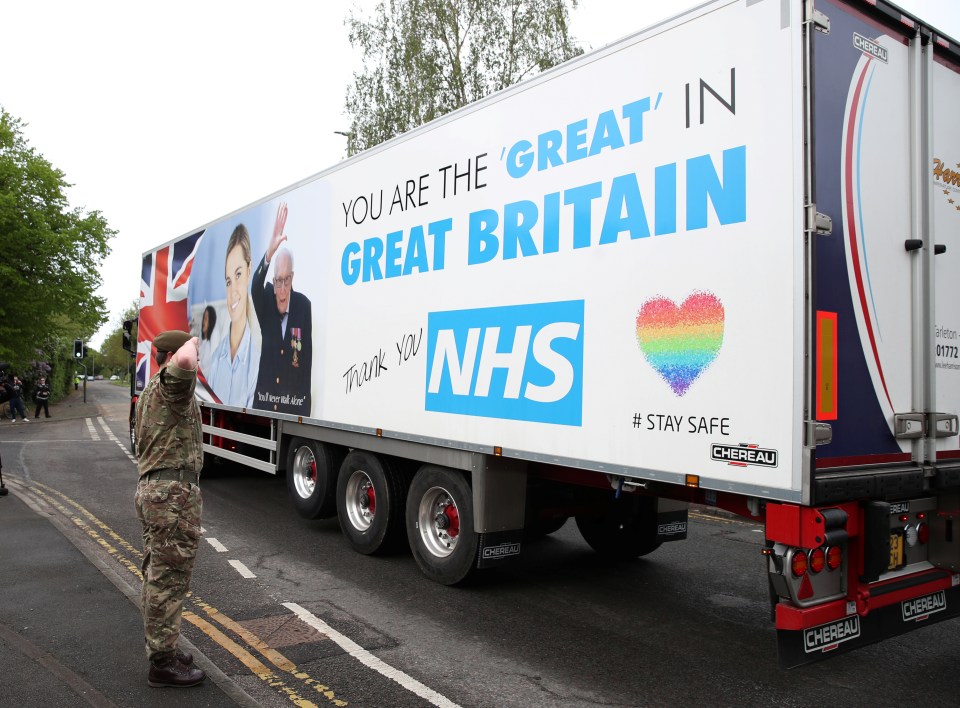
(286, 358)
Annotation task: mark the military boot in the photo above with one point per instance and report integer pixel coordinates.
(173, 672)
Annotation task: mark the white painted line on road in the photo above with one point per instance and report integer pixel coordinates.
(120, 443)
(106, 429)
(45, 442)
(92, 429)
(219, 547)
(369, 660)
(123, 448)
(242, 569)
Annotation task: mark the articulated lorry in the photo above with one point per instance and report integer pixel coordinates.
(715, 263)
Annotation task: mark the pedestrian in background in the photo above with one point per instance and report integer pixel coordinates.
(16, 400)
(169, 504)
(42, 396)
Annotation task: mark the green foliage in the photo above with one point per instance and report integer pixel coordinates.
(50, 256)
(425, 58)
(114, 358)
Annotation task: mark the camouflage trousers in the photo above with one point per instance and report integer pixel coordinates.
(170, 513)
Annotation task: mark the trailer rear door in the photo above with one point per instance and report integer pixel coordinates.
(875, 310)
(943, 176)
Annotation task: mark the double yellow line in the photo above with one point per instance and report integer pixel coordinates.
(122, 551)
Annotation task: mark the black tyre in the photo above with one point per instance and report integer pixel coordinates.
(440, 526)
(370, 500)
(312, 478)
(539, 528)
(628, 530)
(133, 430)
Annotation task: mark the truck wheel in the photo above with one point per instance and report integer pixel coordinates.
(543, 527)
(440, 524)
(312, 478)
(628, 530)
(371, 496)
(133, 431)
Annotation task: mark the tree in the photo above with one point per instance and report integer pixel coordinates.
(425, 58)
(50, 256)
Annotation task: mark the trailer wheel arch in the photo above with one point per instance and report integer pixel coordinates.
(440, 497)
(312, 477)
(371, 495)
(626, 531)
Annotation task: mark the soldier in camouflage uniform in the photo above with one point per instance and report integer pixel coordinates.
(169, 504)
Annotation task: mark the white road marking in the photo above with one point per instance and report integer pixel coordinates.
(242, 569)
(369, 660)
(120, 443)
(106, 429)
(126, 452)
(219, 547)
(92, 429)
(45, 442)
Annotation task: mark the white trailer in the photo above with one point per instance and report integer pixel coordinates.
(714, 262)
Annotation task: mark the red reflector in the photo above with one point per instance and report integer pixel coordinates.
(834, 557)
(921, 515)
(818, 559)
(904, 518)
(923, 533)
(806, 588)
(799, 563)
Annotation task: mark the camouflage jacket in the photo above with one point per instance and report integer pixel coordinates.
(168, 422)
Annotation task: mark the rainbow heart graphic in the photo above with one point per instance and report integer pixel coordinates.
(681, 342)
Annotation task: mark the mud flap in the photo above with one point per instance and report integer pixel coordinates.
(671, 520)
(497, 547)
(805, 646)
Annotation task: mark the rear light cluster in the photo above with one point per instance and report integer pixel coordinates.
(807, 554)
(917, 534)
(815, 561)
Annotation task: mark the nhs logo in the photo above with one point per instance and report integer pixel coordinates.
(523, 362)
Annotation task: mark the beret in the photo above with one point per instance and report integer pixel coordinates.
(171, 340)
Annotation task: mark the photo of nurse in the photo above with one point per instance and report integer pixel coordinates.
(232, 375)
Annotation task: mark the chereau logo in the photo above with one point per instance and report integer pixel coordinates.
(501, 551)
(673, 528)
(922, 607)
(830, 636)
(743, 455)
(868, 46)
(523, 362)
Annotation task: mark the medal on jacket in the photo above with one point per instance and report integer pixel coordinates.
(296, 345)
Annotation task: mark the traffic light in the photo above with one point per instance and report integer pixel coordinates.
(127, 336)
(78, 348)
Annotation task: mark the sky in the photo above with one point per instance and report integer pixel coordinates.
(165, 117)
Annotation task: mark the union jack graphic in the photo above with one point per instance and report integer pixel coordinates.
(163, 298)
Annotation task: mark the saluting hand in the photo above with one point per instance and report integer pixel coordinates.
(278, 235)
(186, 357)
